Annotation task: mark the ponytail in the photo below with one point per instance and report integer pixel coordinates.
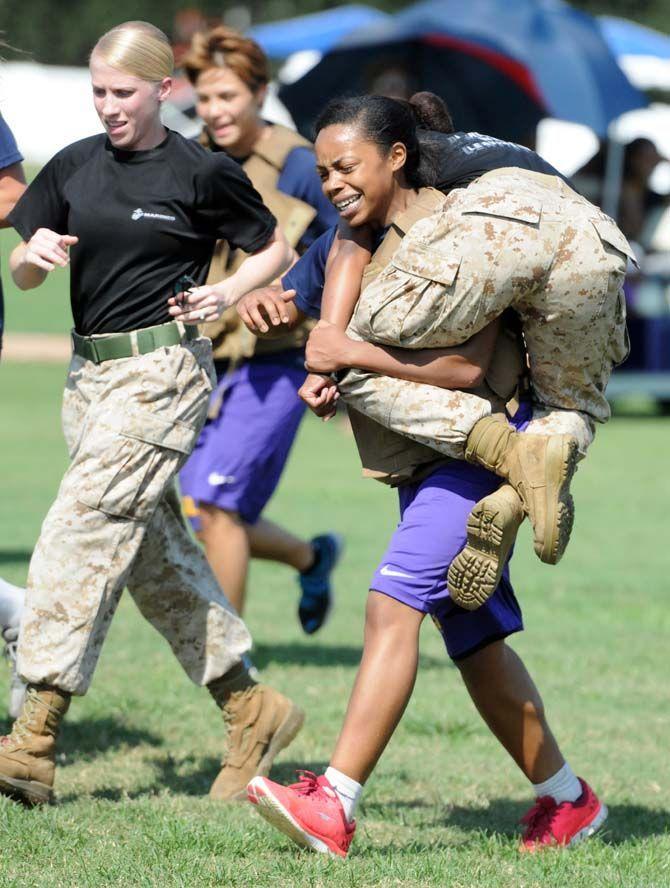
(431, 113)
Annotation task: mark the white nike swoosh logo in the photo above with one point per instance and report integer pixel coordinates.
(387, 572)
(216, 478)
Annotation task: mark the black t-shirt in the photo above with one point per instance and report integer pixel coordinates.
(143, 219)
(463, 157)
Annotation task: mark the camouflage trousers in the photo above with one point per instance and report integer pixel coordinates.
(512, 239)
(129, 425)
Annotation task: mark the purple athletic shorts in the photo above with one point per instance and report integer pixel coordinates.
(239, 457)
(431, 532)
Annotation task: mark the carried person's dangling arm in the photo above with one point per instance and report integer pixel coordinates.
(271, 311)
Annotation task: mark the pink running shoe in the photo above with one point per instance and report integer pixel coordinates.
(549, 824)
(309, 812)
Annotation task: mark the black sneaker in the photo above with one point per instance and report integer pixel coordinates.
(317, 596)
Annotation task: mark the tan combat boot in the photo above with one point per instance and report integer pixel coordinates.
(260, 721)
(28, 754)
(475, 572)
(540, 469)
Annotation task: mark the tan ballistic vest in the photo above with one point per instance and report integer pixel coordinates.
(385, 455)
(230, 338)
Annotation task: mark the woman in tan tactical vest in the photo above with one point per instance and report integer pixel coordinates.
(131, 212)
(411, 291)
(255, 410)
(513, 239)
(378, 174)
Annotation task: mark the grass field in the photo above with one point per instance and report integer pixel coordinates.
(139, 752)
(45, 309)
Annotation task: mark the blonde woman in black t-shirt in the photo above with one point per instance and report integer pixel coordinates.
(133, 212)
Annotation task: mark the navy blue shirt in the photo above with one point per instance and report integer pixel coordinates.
(464, 157)
(9, 155)
(308, 275)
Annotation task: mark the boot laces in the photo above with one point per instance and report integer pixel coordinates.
(539, 819)
(307, 784)
(20, 728)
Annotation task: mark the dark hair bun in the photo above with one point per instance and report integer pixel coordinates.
(431, 112)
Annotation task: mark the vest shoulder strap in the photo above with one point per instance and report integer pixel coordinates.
(428, 201)
(230, 338)
(274, 148)
(278, 144)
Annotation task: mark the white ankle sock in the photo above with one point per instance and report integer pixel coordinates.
(11, 604)
(348, 791)
(562, 787)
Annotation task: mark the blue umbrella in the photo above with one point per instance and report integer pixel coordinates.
(500, 66)
(628, 38)
(319, 31)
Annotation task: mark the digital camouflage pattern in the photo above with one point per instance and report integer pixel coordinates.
(129, 425)
(383, 411)
(440, 419)
(511, 239)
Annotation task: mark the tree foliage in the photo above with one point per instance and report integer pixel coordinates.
(63, 33)
(653, 13)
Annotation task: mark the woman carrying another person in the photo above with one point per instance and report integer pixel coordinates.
(411, 581)
(137, 207)
(254, 410)
(514, 238)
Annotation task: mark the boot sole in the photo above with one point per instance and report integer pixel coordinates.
(475, 572)
(561, 459)
(30, 792)
(282, 737)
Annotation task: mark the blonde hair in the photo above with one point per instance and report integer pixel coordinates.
(137, 48)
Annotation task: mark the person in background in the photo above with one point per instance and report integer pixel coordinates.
(12, 186)
(638, 200)
(255, 410)
(11, 608)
